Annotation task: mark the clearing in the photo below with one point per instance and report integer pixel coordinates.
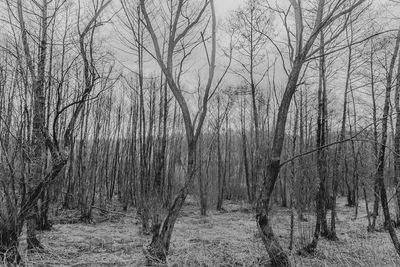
(227, 238)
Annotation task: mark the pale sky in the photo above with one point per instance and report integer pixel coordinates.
(222, 7)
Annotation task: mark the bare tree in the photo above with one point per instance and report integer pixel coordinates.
(303, 51)
(42, 141)
(379, 176)
(396, 154)
(249, 26)
(180, 27)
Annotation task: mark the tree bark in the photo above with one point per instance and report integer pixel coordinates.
(379, 177)
(371, 226)
(158, 249)
(396, 154)
(276, 253)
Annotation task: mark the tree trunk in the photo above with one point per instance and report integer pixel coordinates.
(38, 145)
(322, 164)
(244, 150)
(43, 223)
(396, 154)
(276, 253)
(220, 197)
(300, 182)
(339, 153)
(203, 185)
(379, 178)
(375, 121)
(158, 249)
(294, 176)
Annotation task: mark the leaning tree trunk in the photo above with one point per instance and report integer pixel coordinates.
(276, 253)
(37, 182)
(158, 249)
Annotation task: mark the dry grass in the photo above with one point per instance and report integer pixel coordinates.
(220, 239)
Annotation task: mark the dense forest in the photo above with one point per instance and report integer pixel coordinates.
(168, 133)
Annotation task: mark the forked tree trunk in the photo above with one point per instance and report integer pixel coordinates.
(41, 139)
(158, 248)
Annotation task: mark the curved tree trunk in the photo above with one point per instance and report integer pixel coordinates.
(41, 140)
(158, 249)
(276, 253)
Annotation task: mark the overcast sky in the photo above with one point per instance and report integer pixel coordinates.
(222, 7)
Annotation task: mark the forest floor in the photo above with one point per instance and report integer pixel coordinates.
(226, 238)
